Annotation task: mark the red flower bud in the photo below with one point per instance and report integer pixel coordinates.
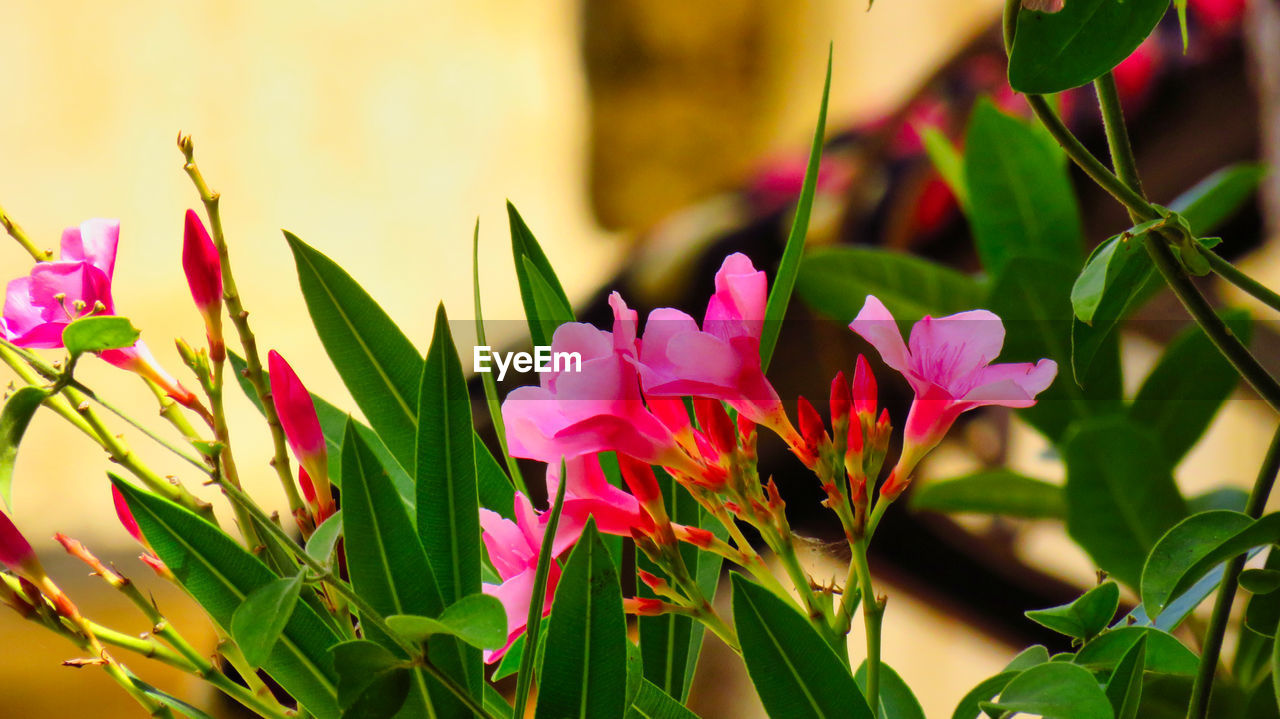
(298, 419)
(651, 580)
(715, 424)
(125, 515)
(864, 390)
(883, 430)
(854, 446)
(203, 268)
(841, 399)
(694, 535)
(746, 428)
(640, 479)
(15, 551)
(812, 428)
(643, 606)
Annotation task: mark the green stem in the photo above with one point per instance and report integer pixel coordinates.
(16, 232)
(873, 617)
(1232, 274)
(1126, 164)
(1202, 689)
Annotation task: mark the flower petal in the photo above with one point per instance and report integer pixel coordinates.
(876, 325)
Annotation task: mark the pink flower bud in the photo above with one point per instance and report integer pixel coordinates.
(640, 479)
(716, 424)
(812, 428)
(15, 551)
(308, 487)
(125, 515)
(841, 399)
(203, 268)
(864, 390)
(643, 606)
(297, 416)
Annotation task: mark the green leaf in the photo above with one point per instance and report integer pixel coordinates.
(652, 703)
(835, 281)
(1121, 497)
(795, 672)
(389, 569)
(896, 699)
(1260, 581)
(495, 703)
(1031, 296)
(527, 253)
(14, 420)
(1124, 687)
(493, 488)
(533, 625)
(1216, 198)
(785, 281)
(220, 575)
(948, 161)
(257, 624)
(1086, 616)
(1182, 394)
(970, 706)
(1164, 653)
(1232, 498)
(1114, 263)
(550, 310)
(168, 700)
(323, 541)
(372, 682)
(1053, 52)
(1021, 203)
(377, 362)
(587, 637)
(510, 662)
(490, 386)
(1056, 691)
(477, 619)
(992, 491)
(98, 333)
(1196, 545)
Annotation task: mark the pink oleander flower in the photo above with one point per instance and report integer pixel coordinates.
(721, 359)
(15, 551)
(947, 361)
(203, 269)
(39, 307)
(589, 494)
(302, 430)
(513, 548)
(596, 409)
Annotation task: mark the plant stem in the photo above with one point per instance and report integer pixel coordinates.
(16, 232)
(240, 318)
(1202, 689)
(1126, 164)
(873, 617)
(1232, 274)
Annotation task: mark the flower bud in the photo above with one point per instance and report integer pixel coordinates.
(812, 428)
(640, 480)
(841, 399)
(301, 426)
(673, 414)
(696, 536)
(125, 515)
(652, 581)
(643, 606)
(15, 551)
(203, 268)
(882, 432)
(864, 390)
(715, 423)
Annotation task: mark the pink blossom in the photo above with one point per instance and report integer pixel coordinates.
(596, 409)
(513, 548)
(301, 426)
(589, 494)
(720, 360)
(947, 362)
(15, 551)
(39, 307)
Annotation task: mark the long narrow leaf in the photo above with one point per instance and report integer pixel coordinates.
(789, 267)
(528, 659)
(486, 378)
(527, 254)
(14, 418)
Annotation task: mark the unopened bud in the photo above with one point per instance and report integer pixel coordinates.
(652, 580)
(864, 390)
(696, 536)
(883, 430)
(841, 400)
(643, 606)
(125, 515)
(715, 423)
(203, 268)
(640, 479)
(812, 428)
(16, 552)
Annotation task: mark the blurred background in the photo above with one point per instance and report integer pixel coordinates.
(639, 138)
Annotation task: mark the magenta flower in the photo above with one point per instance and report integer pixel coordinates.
(203, 269)
(589, 494)
(513, 548)
(302, 430)
(947, 361)
(720, 360)
(39, 307)
(596, 409)
(15, 551)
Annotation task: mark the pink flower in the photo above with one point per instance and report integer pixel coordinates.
(125, 515)
(596, 409)
(947, 361)
(301, 426)
(720, 360)
(589, 494)
(15, 551)
(513, 548)
(39, 307)
(203, 268)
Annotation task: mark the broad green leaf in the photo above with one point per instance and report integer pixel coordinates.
(1251, 664)
(1085, 617)
(168, 700)
(533, 624)
(795, 672)
(789, 266)
(372, 682)
(220, 575)
(477, 619)
(526, 252)
(1232, 498)
(98, 333)
(635, 674)
(448, 518)
(493, 488)
(948, 161)
(1260, 581)
(389, 569)
(323, 541)
(490, 386)
(1053, 52)
(257, 624)
(836, 281)
(1031, 296)
(1121, 497)
(652, 703)
(1114, 263)
(992, 491)
(896, 699)
(970, 706)
(1182, 394)
(377, 362)
(1056, 691)
(1124, 687)
(1196, 545)
(550, 310)
(587, 637)
(495, 703)
(1164, 653)
(1217, 197)
(1021, 203)
(14, 420)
